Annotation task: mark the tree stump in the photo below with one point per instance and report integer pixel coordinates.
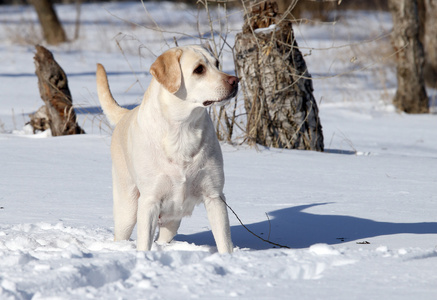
(277, 87)
(410, 95)
(57, 113)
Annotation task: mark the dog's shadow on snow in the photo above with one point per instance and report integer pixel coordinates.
(295, 228)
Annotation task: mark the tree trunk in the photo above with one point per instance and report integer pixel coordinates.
(53, 87)
(277, 88)
(428, 37)
(411, 95)
(52, 28)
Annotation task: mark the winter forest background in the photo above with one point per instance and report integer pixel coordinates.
(356, 220)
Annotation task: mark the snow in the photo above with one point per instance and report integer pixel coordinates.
(360, 220)
(266, 30)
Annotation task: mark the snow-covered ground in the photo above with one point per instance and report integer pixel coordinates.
(360, 219)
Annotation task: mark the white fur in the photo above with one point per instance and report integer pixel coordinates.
(166, 156)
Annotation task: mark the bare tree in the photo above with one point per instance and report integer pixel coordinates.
(428, 37)
(411, 95)
(277, 87)
(52, 28)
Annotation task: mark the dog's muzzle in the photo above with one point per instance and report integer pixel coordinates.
(232, 81)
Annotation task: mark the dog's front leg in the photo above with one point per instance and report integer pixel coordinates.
(218, 218)
(147, 220)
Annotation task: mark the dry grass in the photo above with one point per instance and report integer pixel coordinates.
(25, 32)
(378, 56)
(2, 127)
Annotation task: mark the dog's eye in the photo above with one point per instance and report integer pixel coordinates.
(199, 70)
(217, 64)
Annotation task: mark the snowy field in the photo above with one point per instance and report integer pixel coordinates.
(360, 219)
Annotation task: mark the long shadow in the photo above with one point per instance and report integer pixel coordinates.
(297, 229)
(95, 110)
(339, 151)
(79, 74)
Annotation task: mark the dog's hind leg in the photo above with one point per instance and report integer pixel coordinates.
(125, 209)
(168, 231)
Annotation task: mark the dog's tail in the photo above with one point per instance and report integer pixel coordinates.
(112, 110)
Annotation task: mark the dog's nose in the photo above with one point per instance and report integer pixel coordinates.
(232, 80)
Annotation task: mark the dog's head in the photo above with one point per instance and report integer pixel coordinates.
(191, 73)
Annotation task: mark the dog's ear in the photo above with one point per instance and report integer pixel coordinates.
(167, 71)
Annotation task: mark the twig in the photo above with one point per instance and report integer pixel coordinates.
(127, 61)
(154, 22)
(270, 226)
(77, 22)
(245, 227)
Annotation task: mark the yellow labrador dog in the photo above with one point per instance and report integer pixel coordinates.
(166, 158)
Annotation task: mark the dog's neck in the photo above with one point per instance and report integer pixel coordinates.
(181, 124)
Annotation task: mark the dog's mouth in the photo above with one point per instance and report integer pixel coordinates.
(217, 102)
(222, 101)
(210, 102)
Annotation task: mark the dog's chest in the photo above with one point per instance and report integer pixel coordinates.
(182, 146)
(184, 188)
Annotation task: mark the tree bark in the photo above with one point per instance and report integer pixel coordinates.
(53, 87)
(411, 95)
(52, 28)
(428, 37)
(277, 88)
